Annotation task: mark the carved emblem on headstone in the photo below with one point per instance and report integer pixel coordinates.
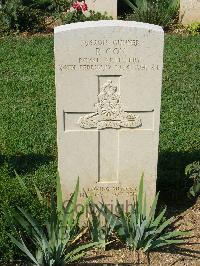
(110, 112)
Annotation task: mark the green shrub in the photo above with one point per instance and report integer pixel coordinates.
(192, 171)
(194, 28)
(139, 230)
(23, 15)
(58, 243)
(160, 12)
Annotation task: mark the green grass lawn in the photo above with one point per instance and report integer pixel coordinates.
(28, 122)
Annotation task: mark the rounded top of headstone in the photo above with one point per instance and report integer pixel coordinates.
(107, 23)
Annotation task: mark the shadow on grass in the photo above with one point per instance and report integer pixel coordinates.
(172, 182)
(25, 163)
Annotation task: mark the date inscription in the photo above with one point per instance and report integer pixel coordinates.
(115, 191)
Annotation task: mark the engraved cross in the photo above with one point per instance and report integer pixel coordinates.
(106, 121)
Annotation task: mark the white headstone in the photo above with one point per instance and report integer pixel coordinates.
(108, 85)
(102, 6)
(189, 11)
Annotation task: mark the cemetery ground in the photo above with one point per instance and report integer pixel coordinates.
(28, 139)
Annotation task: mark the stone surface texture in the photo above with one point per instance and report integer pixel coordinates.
(108, 93)
(102, 6)
(189, 11)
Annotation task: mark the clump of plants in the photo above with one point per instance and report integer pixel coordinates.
(140, 229)
(59, 241)
(192, 171)
(79, 12)
(159, 12)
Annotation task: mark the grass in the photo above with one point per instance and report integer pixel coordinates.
(180, 120)
(28, 122)
(27, 126)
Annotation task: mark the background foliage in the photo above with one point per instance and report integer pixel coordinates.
(24, 15)
(37, 15)
(159, 12)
